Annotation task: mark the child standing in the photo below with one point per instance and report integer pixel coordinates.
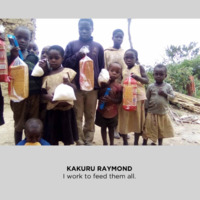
(85, 105)
(115, 54)
(158, 124)
(107, 117)
(60, 122)
(33, 133)
(28, 107)
(133, 121)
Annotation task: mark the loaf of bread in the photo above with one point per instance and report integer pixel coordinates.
(128, 95)
(19, 85)
(86, 78)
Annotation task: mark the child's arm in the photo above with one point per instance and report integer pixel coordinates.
(101, 58)
(117, 99)
(143, 79)
(47, 96)
(66, 81)
(169, 94)
(14, 53)
(44, 65)
(71, 59)
(148, 95)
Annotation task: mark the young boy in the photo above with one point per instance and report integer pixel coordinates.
(28, 107)
(116, 54)
(33, 48)
(85, 105)
(158, 124)
(33, 133)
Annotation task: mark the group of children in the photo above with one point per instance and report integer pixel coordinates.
(47, 122)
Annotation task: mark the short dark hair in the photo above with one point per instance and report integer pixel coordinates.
(114, 63)
(86, 19)
(32, 125)
(161, 66)
(23, 28)
(135, 53)
(117, 31)
(58, 48)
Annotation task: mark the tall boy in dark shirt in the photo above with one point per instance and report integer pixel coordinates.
(85, 105)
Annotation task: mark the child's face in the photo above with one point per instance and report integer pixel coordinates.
(159, 75)
(33, 48)
(129, 59)
(55, 59)
(85, 30)
(115, 71)
(118, 39)
(44, 53)
(23, 38)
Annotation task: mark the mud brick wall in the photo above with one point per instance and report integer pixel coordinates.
(10, 24)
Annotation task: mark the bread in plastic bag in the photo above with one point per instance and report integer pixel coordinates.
(37, 71)
(86, 67)
(104, 76)
(18, 87)
(64, 92)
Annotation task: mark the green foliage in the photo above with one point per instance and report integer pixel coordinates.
(177, 54)
(178, 75)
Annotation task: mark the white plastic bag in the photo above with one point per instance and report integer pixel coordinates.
(64, 92)
(104, 76)
(37, 71)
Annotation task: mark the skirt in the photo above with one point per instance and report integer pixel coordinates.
(105, 122)
(158, 127)
(60, 126)
(131, 121)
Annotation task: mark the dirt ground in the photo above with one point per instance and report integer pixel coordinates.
(186, 134)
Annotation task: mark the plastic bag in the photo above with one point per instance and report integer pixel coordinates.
(130, 94)
(37, 71)
(64, 92)
(18, 87)
(86, 67)
(3, 59)
(104, 77)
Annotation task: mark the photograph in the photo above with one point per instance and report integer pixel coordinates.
(108, 92)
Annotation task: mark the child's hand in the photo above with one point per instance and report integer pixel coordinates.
(104, 85)
(14, 52)
(63, 104)
(49, 97)
(80, 55)
(162, 93)
(66, 80)
(43, 64)
(134, 76)
(106, 99)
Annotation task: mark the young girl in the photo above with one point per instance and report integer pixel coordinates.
(60, 122)
(133, 121)
(158, 124)
(106, 117)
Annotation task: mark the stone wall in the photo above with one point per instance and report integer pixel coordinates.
(10, 25)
